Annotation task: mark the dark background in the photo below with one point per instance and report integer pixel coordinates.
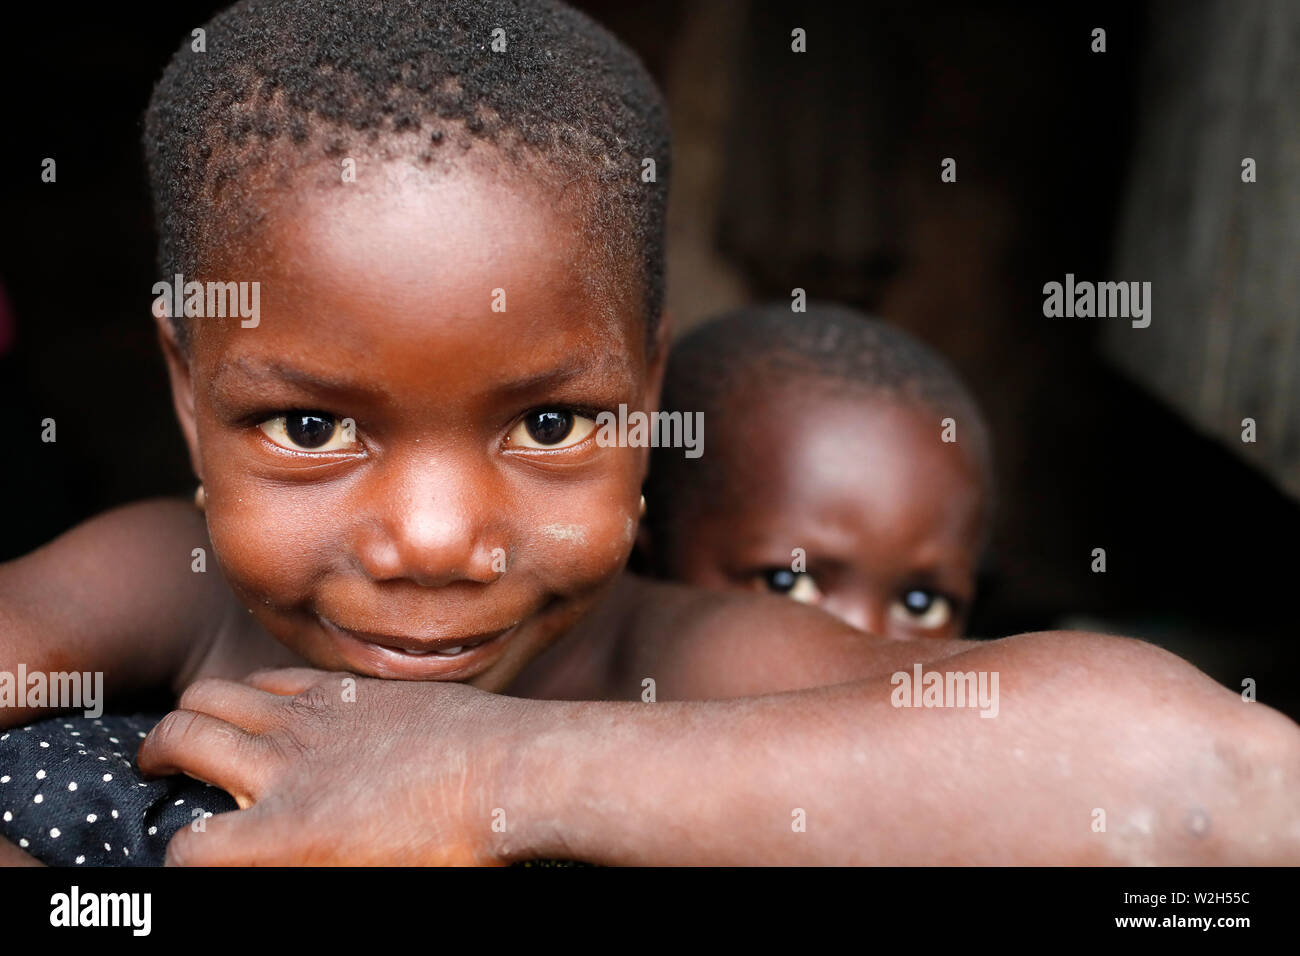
(818, 171)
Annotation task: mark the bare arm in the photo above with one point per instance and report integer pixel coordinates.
(1091, 731)
(10, 855)
(115, 595)
(1103, 750)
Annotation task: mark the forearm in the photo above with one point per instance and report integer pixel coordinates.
(1184, 772)
(814, 777)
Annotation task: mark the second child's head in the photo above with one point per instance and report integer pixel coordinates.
(826, 475)
(459, 265)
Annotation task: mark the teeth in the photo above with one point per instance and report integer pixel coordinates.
(445, 652)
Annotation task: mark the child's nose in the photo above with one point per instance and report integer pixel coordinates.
(865, 612)
(434, 525)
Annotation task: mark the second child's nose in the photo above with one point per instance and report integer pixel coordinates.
(862, 612)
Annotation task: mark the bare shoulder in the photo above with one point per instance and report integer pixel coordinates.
(698, 644)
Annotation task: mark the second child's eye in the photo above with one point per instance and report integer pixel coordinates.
(920, 607)
(307, 431)
(796, 585)
(550, 428)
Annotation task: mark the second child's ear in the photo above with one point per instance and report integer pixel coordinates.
(178, 371)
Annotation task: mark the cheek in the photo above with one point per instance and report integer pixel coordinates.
(579, 540)
(271, 547)
(274, 540)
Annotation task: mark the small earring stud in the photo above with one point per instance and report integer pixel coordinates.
(641, 513)
(200, 497)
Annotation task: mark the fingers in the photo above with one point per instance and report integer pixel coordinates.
(207, 749)
(243, 838)
(260, 836)
(234, 703)
(287, 681)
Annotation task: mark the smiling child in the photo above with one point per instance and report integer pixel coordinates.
(459, 259)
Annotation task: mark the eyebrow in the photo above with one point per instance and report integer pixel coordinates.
(601, 364)
(258, 370)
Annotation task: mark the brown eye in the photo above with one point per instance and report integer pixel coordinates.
(550, 428)
(307, 431)
(796, 585)
(922, 608)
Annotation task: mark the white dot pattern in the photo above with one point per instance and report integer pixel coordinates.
(60, 803)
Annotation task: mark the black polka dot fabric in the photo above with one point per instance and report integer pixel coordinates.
(70, 793)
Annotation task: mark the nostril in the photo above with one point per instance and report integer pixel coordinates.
(378, 558)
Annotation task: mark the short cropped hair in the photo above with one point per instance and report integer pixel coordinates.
(332, 78)
(829, 349)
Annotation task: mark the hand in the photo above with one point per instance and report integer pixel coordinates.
(330, 768)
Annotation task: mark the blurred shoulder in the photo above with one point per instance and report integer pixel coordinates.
(696, 644)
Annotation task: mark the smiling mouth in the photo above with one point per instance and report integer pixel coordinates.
(387, 655)
(441, 648)
(441, 651)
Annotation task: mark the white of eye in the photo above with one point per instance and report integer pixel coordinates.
(277, 430)
(937, 615)
(805, 589)
(520, 438)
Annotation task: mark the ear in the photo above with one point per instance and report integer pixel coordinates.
(178, 371)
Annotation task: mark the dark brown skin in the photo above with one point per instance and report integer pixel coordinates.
(374, 310)
(419, 773)
(386, 294)
(883, 509)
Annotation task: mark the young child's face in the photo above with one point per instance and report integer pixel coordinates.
(889, 518)
(474, 517)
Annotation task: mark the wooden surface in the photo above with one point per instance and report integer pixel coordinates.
(1221, 83)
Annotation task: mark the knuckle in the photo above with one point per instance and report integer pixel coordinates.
(314, 699)
(173, 728)
(202, 689)
(286, 747)
(263, 675)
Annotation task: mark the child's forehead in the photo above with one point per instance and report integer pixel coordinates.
(396, 211)
(830, 471)
(863, 442)
(815, 405)
(468, 241)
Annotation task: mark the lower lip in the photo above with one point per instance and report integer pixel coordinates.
(379, 660)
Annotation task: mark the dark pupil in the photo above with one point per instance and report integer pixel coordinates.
(309, 430)
(549, 427)
(918, 602)
(781, 580)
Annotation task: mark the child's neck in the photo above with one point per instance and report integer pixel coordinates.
(580, 665)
